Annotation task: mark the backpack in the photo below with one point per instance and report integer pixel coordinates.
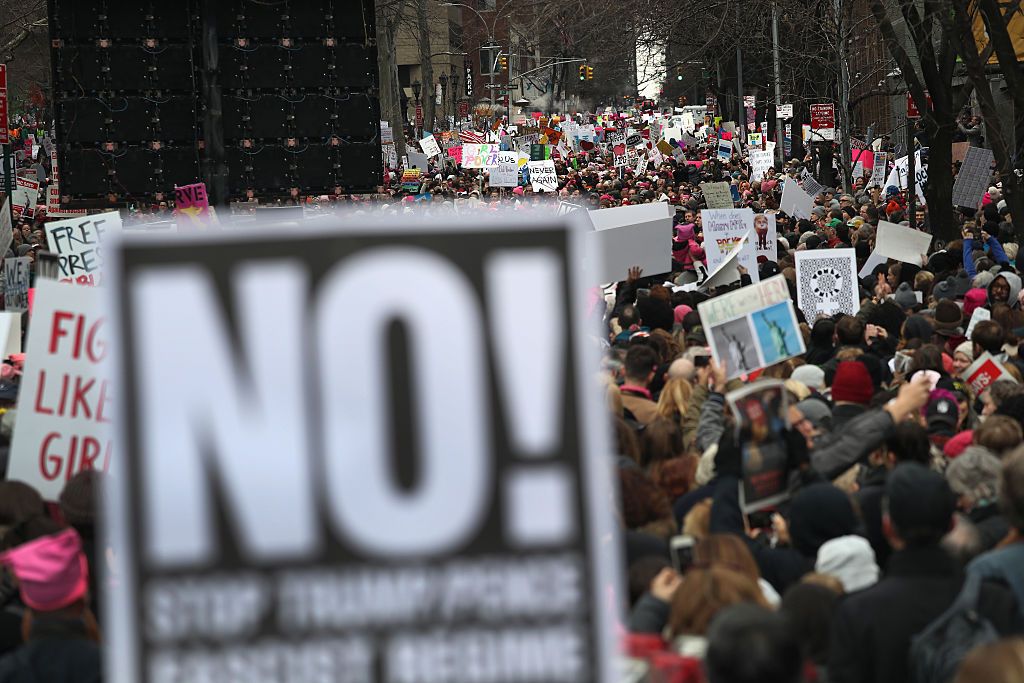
(936, 652)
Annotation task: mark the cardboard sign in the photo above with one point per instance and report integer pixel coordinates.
(542, 176)
(192, 206)
(309, 539)
(725, 150)
(16, 281)
(752, 327)
(826, 283)
(65, 400)
(717, 195)
(418, 161)
(983, 372)
(430, 147)
(723, 231)
(506, 173)
(10, 332)
(901, 242)
(973, 178)
(76, 241)
(627, 236)
(761, 412)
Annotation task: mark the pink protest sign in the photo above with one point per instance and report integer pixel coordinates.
(191, 205)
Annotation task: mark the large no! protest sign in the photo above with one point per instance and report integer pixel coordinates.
(390, 471)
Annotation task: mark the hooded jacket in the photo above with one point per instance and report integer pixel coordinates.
(1013, 280)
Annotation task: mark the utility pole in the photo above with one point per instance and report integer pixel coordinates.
(844, 99)
(741, 122)
(779, 150)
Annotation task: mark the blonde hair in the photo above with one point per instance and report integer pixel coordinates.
(824, 580)
(675, 397)
(697, 522)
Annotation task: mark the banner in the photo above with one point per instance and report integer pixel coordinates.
(76, 242)
(65, 405)
(723, 231)
(16, 281)
(752, 327)
(542, 176)
(477, 540)
(826, 283)
(192, 207)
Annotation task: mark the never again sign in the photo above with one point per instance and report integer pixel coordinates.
(362, 487)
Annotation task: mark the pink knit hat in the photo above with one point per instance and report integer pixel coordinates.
(680, 311)
(52, 571)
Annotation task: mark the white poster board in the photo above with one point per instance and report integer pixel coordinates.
(765, 236)
(724, 230)
(795, 202)
(542, 175)
(902, 243)
(417, 160)
(506, 173)
(430, 147)
(63, 428)
(76, 241)
(826, 283)
(627, 236)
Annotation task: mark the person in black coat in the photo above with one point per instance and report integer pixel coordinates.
(872, 632)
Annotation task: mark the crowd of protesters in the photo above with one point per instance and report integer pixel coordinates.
(905, 514)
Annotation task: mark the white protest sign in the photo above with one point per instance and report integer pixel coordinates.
(387, 135)
(826, 283)
(901, 243)
(878, 171)
(65, 406)
(542, 176)
(795, 202)
(6, 228)
(874, 260)
(16, 281)
(506, 173)
(76, 241)
(430, 147)
(784, 111)
(627, 236)
(717, 195)
(724, 230)
(752, 327)
(760, 163)
(417, 160)
(900, 169)
(10, 332)
(977, 316)
(504, 477)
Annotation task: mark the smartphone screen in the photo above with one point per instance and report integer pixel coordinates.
(681, 550)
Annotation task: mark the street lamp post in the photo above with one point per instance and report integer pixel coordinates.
(443, 80)
(418, 121)
(455, 92)
(490, 43)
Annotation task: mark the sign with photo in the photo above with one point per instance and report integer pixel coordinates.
(426, 498)
(761, 412)
(752, 327)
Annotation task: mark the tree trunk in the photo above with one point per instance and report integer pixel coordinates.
(426, 66)
(387, 64)
(939, 191)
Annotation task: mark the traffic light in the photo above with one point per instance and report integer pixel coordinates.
(504, 62)
(590, 73)
(679, 73)
(583, 73)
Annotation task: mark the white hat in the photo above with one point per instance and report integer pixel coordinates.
(851, 560)
(811, 376)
